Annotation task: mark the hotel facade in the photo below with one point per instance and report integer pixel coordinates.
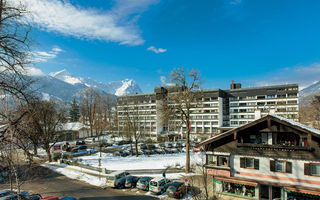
(216, 110)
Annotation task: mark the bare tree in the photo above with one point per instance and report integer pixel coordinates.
(89, 108)
(131, 125)
(45, 119)
(310, 114)
(109, 104)
(178, 105)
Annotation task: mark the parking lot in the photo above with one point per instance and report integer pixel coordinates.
(49, 183)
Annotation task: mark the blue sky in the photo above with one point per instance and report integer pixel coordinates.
(252, 42)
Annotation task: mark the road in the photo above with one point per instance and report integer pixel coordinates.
(47, 182)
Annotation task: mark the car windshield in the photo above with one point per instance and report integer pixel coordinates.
(153, 183)
(143, 181)
(110, 178)
(172, 188)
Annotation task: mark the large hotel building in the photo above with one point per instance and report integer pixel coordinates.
(219, 110)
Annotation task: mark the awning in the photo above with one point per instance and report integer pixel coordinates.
(301, 190)
(237, 181)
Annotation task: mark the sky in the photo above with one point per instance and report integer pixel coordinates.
(256, 43)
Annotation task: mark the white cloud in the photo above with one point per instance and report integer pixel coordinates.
(72, 20)
(156, 50)
(304, 75)
(44, 56)
(32, 71)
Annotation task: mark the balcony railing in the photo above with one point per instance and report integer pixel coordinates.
(275, 147)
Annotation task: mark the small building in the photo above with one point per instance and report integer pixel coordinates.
(269, 158)
(73, 131)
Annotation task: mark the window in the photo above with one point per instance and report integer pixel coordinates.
(218, 160)
(250, 163)
(280, 166)
(315, 169)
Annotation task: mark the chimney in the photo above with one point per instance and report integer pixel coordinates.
(234, 85)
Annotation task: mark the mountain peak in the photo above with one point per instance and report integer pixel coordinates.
(59, 73)
(65, 76)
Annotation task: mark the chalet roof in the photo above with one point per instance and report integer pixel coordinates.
(283, 120)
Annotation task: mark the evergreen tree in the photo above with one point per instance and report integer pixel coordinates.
(74, 111)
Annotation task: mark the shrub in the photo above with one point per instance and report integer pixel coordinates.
(56, 156)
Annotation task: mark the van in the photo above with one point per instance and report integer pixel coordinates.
(159, 185)
(111, 179)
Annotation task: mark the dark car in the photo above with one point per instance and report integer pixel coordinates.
(68, 198)
(120, 183)
(33, 197)
(131, 181)
(143, 183)
(80, 142)
(176, 190)
(5, 193)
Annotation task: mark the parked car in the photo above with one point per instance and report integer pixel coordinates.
(177, 145)
(175, 150)
(111, 180)
(5, 193)
(33, 197)
(120, 183)
(159, 151)
(92, 150)
(51, 198)
(131, 181)
(197, 149)
(143, 183)
(69, 198)
(167, 150)
(80, 142)
(159, 185)
(12, 196)
(89, 140)
(168, 145)
(176, 190)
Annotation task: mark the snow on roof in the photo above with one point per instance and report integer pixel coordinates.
(291, 122)
(73, 126)
(294, 123)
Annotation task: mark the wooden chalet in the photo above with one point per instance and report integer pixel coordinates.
(269, 158)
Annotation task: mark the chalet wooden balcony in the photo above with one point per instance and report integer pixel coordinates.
(218, 171)
(274, 147)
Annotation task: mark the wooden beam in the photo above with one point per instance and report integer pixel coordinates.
(269, 123)
(309, 138)
(235, 135)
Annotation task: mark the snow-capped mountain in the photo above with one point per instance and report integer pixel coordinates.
(306, 95)
(64, 86)
(65, 76)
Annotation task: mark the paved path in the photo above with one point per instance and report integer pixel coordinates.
(47, 182)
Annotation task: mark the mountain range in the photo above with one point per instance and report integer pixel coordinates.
(306, 95)
(64, 86)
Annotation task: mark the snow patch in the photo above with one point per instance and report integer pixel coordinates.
(160, 161)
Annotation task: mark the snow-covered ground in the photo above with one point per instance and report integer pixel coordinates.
(157, 161)
(78, 175)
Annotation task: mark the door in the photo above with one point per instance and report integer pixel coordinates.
(264, 192)
(276, 192)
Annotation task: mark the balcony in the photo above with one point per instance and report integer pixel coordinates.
(218, 171)
(274, 147)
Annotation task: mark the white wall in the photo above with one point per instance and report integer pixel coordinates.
(264, 169)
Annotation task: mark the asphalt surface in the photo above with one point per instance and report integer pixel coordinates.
(46, 182)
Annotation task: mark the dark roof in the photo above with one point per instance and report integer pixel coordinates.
(279, 119)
